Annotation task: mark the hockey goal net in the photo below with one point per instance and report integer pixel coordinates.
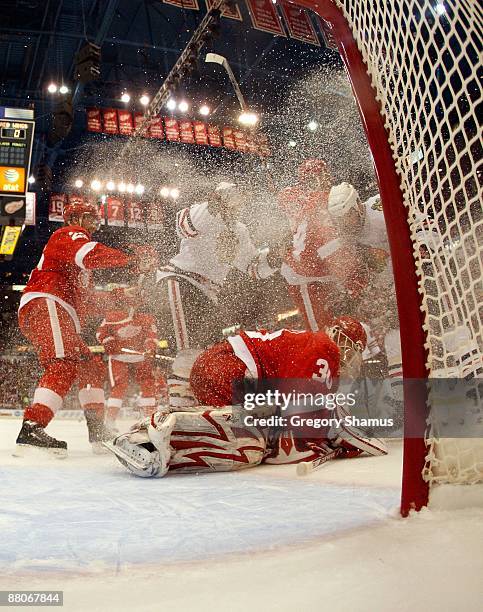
(414, 68)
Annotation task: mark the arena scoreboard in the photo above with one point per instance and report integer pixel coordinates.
(16, 140)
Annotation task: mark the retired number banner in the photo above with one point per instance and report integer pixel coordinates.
(264, 16)
(298, 23)
(227, 11)
(56, 206)
(109, 117)
(94, 121)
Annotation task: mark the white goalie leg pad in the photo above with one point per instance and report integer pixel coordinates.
(181, 396)
(349, 436)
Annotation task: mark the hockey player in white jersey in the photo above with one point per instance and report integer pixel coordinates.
(363, 223)
(213, 242)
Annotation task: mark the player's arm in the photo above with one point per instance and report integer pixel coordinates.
(75, 247)
(151, 332)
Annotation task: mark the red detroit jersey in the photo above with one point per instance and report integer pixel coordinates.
(124, 330)
(288, 354)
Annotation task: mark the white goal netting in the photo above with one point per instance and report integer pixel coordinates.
(424, 60)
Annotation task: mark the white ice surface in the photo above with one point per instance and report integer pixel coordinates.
(261, 539)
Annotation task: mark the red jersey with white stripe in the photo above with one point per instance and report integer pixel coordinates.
(132, 331)
(288, 354)
(64, 270)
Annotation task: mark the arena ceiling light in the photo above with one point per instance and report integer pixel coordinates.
(31, 179)
(78, 183)
(52, 88)
(125, 98)
(121, 187)
(204, 110)
(248, 118)
(174, 193)
(139, 189)
(63, 89)
(312, 125)
(96, 185)
(110, 185)
(144, 99)
(130, 188)
(171, 104)
(164, 192)
(183, 106)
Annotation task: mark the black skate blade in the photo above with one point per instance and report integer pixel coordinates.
(29, 450)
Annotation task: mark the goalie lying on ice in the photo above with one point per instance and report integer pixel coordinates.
(216, 438)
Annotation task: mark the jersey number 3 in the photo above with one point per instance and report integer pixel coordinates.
(324, 375)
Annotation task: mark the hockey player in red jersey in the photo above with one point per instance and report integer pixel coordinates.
(130, 340)
(56, 301)
(211, 439)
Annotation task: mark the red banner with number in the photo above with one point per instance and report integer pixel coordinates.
(264, 16)
(94, 121)
(240, 140)
(109, 119)
(126, 124)
(298, 23)
(56, 206)
(115, 211)
(155, 216)
(171, 127)
(134, 214)
(186, 132)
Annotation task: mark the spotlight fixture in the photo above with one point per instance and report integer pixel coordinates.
(110, 185)
(144, 99)
(125, 98)
(183, 106)
(78, 183)
(164, 192)
(204, 110)
(248, 118)
(121, 187)
(63, 89)
(31, 179)
(174, 193)
(96, 185)
(52, 88)
(171, 104)
(130, 188)
(139, 189)
(312, 125)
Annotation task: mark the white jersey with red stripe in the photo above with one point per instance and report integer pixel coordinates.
(135, 332)
(199, 230)
(64, 272)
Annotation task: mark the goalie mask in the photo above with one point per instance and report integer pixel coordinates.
(351, 338)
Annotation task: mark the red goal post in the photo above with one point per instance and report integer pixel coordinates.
(389, 48)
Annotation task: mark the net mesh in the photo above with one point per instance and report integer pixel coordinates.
(423, 57)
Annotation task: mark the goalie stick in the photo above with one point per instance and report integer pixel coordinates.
(306, 467)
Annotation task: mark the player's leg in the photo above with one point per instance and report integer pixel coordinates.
(313, 302)
(180, 393)
(118, 376)
(52, 333)
(145, 379)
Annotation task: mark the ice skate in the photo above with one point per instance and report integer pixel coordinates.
(32, 436)
(98, 431)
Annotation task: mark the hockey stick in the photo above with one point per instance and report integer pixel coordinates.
(306, 467)
(133, 352)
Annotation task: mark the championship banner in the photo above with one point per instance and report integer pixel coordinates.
(228, 138)
(263, 146)
(138, 121)
(186, 132)
(326, 28)
(201, 132)
(94, 122)
(264, 16)
(134, 214)
(214, 136)
(298, 23)
(109, 118)
(231, 12)
(240, 141)
(192, 5)
(171, 127)
(115, 211)
(155, 217)
(56, 207)
(155, 128)
(126, 124)
(251, 144)
(30, 208)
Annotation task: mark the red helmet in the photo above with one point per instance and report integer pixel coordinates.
(347, 332)
(313, 167)
(79, 209)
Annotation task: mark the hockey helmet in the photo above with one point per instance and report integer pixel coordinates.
(342, 199)
(80, 209)
(313, 167)
(351, 338)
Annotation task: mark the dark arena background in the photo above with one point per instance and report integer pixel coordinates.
(260, 170)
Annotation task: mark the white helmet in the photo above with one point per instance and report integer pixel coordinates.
(342, 199)
(225, 189)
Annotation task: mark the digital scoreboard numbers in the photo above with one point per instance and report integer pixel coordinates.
(16, 138)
